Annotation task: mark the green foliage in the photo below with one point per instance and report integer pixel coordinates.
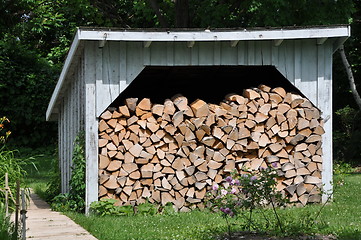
(25, 80)
(342, 168)
(9, 163)
(168, 209)
(347, 135)
(7, 228)
(75, 200)
(147, 209)
(248, 193)
(77, 181)
(107, 207)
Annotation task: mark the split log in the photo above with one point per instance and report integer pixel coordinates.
(174, 152)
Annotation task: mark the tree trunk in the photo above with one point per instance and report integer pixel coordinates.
(157, 10)
(350, 77)
(181, 14)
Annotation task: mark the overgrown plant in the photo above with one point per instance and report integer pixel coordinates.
(8, 162)
(75, 200)
(242, 194)
(7, 228)
(109, 207)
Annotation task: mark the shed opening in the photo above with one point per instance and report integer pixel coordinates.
(209, 83)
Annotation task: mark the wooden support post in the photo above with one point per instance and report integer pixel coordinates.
(23, 215)
(91, 130)
(6, 194)
(17, 204)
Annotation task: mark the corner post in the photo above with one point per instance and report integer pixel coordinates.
(91, 127)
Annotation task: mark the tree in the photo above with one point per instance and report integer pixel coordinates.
(36, 35)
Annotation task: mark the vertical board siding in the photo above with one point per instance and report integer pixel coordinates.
(205, 53)
(182, 54)
(71, 121)
(308, 83)
(241, 53)
(134, 61)
(228, 54)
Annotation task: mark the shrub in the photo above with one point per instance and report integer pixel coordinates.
(246, 193)
(75, 200)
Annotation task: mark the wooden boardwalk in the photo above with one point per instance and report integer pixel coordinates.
(44, 224)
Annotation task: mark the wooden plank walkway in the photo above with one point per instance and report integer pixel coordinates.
(44, 224)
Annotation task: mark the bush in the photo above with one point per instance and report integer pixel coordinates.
(347, 135)
(247, 193)
(75, 200)
(25, 81)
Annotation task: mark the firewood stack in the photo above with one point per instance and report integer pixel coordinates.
(174, 152)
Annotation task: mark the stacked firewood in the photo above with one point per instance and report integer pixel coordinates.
(174, 152)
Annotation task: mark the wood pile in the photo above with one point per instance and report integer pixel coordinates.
(174, 152)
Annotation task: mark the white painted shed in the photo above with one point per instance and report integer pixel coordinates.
(101, 63)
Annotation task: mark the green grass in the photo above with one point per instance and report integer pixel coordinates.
(341, 218)
(39, 164)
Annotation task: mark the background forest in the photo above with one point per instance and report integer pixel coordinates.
(35, 36)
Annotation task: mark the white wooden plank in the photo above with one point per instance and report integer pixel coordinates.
(290, 58)
(282, 61)
(195, 55)
(71, 123)
(250, 53)
(258, 53)
(123, 64)
(206, 53)
(82, 95)
(228, 54)
(266, 47)
(297, 62)
(158, 54)
(61, 145)
(91, 129)
(173, 36)
(134, 62)
(274, 58)
(107, 89)
(308, 83)
(325, 52)
(217, 54)
(182, 54)
(241, 53)
(170, 53)
(66, 147)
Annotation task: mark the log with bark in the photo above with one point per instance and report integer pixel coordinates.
(175, 151)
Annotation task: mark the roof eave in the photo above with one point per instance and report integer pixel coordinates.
(51, 107)
(213, 35)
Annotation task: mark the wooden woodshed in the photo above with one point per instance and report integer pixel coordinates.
(102, 63)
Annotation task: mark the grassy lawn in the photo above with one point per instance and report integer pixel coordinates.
(342, 218)
(39, 164)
